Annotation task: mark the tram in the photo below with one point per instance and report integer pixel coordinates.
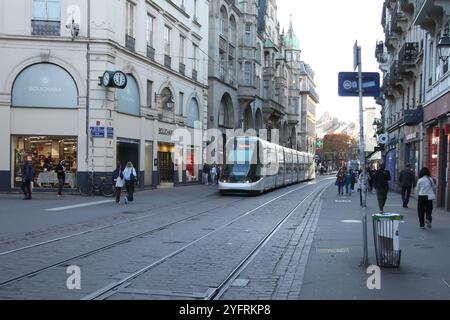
(254, 165)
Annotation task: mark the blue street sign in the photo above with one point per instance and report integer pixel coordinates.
(348, 84)
(110, 132)
(98, 132)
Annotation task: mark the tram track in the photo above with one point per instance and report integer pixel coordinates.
(109, 246)
(144, 210)
(110, 289)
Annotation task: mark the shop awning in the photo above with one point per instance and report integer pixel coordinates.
(375, 157)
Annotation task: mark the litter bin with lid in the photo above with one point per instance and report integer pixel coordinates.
(387, 239)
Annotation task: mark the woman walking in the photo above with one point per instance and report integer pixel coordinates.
(129, 174)
(340, 177)
(348, 183)
(425, 191)
(118, 182)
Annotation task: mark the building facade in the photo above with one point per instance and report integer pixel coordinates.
(417, 89)
(53, 104)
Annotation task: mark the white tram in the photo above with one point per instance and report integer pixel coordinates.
(255, 166)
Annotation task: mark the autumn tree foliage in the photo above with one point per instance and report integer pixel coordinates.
(339, 146)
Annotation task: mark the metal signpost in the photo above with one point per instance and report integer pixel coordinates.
(359, 84)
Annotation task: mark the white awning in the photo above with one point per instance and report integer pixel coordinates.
(375, 157)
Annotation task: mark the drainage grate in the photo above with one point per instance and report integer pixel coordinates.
(447, 282)
(166, 293)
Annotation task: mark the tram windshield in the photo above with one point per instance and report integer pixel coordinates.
(241, 165)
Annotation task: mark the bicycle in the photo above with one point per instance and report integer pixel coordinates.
(103, 188)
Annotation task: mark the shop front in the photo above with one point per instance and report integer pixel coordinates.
(45, 153)
(412, 148)
(128, 151)
(44, 126)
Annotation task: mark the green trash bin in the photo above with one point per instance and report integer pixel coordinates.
(387, 239)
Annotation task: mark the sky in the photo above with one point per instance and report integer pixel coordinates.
(327, 30)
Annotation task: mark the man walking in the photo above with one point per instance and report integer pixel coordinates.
(27, 177)
(407, 181)
(61, 174)
(381, 184)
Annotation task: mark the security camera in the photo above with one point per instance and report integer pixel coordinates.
(74, 28)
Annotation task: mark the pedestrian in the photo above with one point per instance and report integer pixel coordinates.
(205, 174)
(348, 182)
(61, 174)
(363, 184)
(340, 181)
(27, 177)
(213, 173)
(371, 174)
(355, 176)
(425, 191)
(118, 181)
(407, 181)
(218, 174)
(381, 184)
(130, 176)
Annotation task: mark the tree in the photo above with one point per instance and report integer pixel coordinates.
(337, 148)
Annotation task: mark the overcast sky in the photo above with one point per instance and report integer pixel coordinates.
(327, 30)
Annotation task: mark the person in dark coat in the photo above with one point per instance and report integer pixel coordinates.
(61, 173)
(381, 184)
(27, 177)
(118, 183)
(407, 181)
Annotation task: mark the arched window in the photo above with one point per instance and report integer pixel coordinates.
(44, 85)
(193, 113)
(248, 119)
(259, 120)
(223, 21)
(128, 99)
(233, 32)
(226, 116)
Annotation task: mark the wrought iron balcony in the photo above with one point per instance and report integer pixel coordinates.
(130, 42)
(194, 74)
(45, 28)
(151, 53)
(408, 55)
(167, 61)
(379, 52)
(222, 45)
(232, 52)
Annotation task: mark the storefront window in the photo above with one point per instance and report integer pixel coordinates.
(45, 153)
(192, 164)
(434, 152)
(148, 163)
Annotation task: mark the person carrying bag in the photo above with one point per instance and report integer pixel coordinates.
(130, 176)
(426, 193)
(118, 182)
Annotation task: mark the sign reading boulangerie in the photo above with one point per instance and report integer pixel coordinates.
(44, 85)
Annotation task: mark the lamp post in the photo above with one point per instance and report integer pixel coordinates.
(443, 45)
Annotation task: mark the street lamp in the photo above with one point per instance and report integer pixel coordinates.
(444, 45)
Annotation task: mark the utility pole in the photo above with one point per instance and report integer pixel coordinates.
(358, 64)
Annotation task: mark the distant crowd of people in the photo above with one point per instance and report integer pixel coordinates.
(379, 180)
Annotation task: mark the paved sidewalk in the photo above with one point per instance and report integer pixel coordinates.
(334, 272)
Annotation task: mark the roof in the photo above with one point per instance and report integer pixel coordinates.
(291, 41)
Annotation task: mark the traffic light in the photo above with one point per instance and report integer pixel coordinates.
(319, 144)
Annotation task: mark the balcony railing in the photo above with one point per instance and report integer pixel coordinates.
(151, 53)
(408, 55)
(194, 74)
(45, 28)
(232, 52)
(167, 61)
(222, 44)
(130, 42)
